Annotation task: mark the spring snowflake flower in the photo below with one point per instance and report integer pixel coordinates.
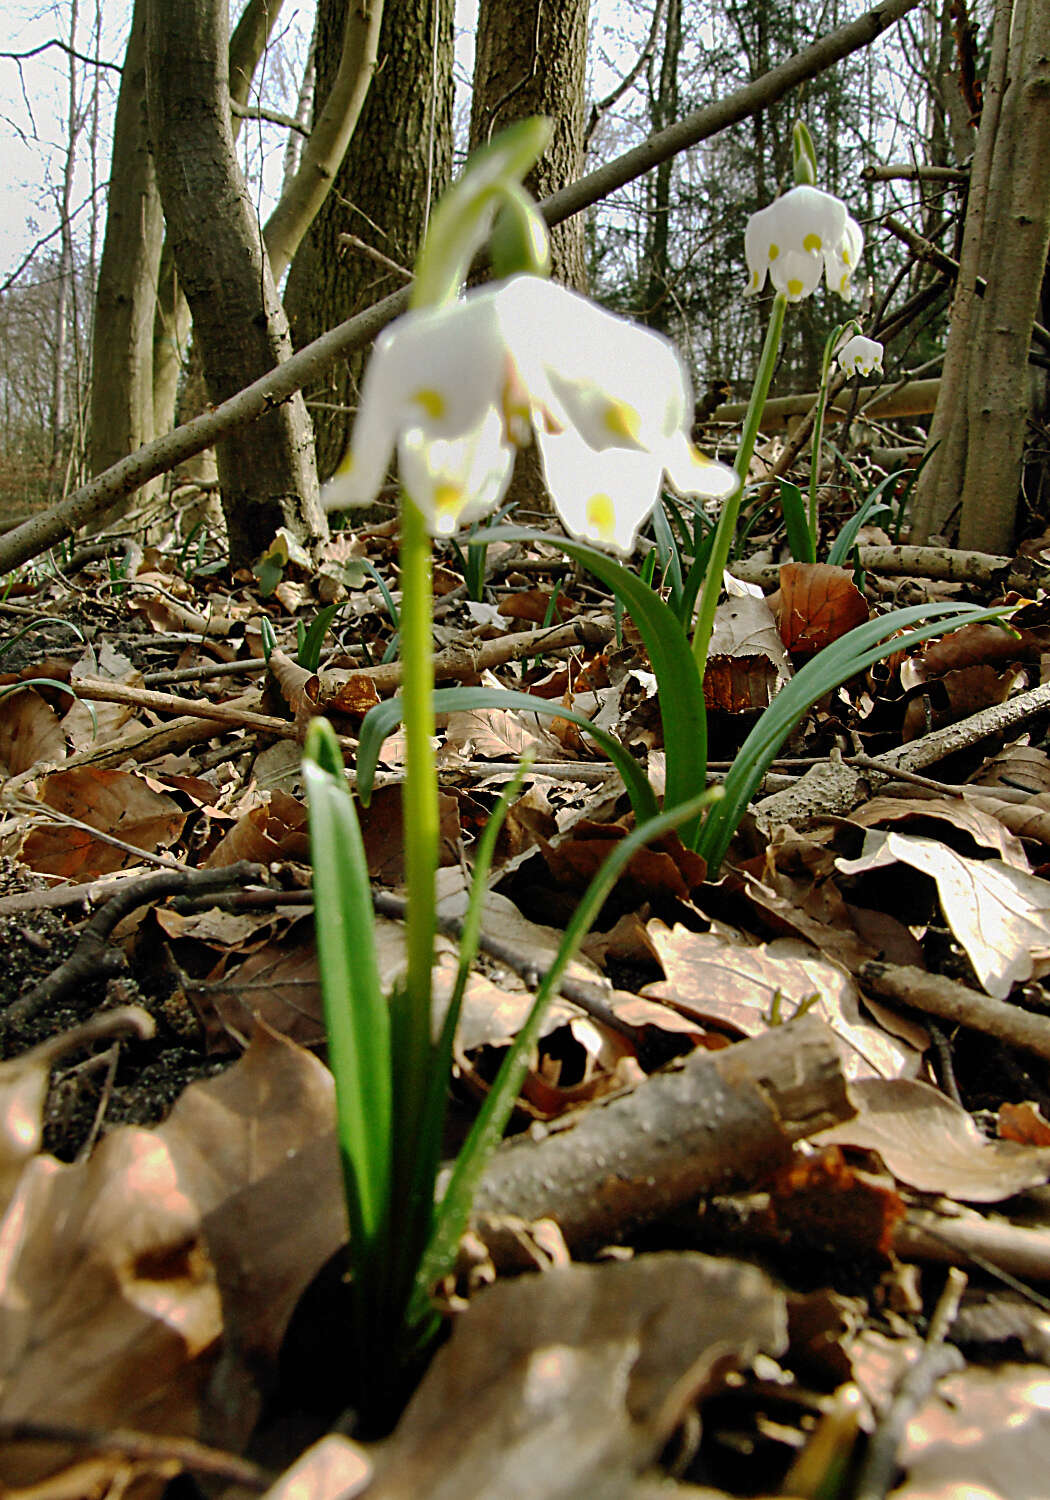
(859, 355)
(457, 390)
(804, 234)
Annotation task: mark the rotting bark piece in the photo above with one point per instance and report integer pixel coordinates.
(708, 1121)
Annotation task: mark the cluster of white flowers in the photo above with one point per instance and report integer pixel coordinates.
(803, 235)
(859, 356)
(459, 389)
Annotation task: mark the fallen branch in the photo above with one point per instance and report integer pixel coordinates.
(951, 1001)
(697, 1126)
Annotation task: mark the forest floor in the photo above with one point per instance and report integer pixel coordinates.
(775, 1219)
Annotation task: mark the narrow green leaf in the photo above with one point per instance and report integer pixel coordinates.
(383, 719)
(682, 707)
(858, 649)
(355, 1008)
(796, 523)
(487, 1130)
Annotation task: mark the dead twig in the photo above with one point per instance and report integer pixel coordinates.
(93, 958)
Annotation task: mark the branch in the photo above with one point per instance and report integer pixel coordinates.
(601, 105)
(92, 62)
(99, 494)
(893, 170)
(273, 116)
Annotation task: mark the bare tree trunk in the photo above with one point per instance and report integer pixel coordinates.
(531, 60)
(122, 375)
(266, 473)
(999, 386)
(171, 329)
(664, 111)
(398, 162)
(940, 483)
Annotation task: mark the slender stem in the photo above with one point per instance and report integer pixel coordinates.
(420, 812)
(818, 425)
(726, 529)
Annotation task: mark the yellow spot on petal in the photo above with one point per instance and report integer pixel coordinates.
(795, 288)
(774, 250)
(700, 459)
(812, 242)
(448, 502)
(846, 255)
(432, 402)
(622, 421)
(600, 516)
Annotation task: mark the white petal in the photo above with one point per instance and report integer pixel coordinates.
(620, 385)
(435, 370)
(843, 258)
(796, 273)
(693, 473)
(603, 497)
(759, 237)
(809, 219)
(455, 480)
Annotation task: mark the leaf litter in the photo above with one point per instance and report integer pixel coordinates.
(172, 1228)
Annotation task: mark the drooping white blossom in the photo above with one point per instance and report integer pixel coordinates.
(457, 390)
(802, 235)
(860, 355)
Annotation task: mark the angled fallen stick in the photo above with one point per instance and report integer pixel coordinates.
(708, 1121)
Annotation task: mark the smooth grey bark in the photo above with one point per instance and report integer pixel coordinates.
(326, 144)
(122, 360)
(267, 475)
(998, 394)
(171, 327)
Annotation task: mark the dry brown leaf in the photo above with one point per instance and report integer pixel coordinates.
(1024, 768)
(120, 1273)
(272, 830)
(98, 723)
(957, 813)
(956, 696)
(335, 1468)
(1024, 1122)
(30, 733)
(999, 914)
(732, 985)
(568, 1384)
(823, 1199)
(932, 1144)
(983, 1435)
(818, 603)
(121, 803)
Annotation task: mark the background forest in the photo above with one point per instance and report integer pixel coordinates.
(99, 356)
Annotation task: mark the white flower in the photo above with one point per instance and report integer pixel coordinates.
(859, 355)
(458, 389)
(804, 233)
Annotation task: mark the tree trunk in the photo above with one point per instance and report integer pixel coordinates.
(122, 359)
(999, 397)
(397, 164)
(266, 473)
(658, 308)
(171, 328)
(531, 60)
(940, 483)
